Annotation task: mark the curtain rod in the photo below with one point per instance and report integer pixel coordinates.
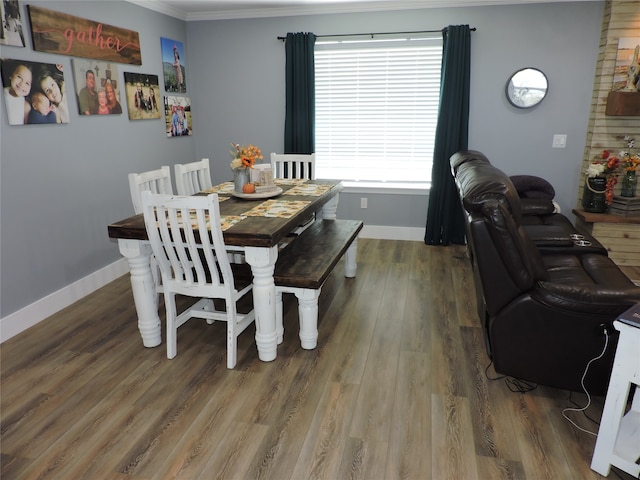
(379, 33)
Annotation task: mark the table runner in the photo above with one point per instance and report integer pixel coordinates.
(224, 188)
(226, 221)
(310, 189)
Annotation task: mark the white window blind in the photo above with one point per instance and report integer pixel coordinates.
(376, 109)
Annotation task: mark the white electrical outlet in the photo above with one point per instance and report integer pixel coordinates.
(363, 202)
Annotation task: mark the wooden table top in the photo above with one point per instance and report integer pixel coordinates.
(253, 231)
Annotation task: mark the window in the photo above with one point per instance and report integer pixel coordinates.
(376, 109)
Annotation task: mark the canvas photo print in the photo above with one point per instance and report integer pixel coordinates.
(173, 65)
(97, 87)
(627, 68)
(34, 92)
(143, 96)
(177, 111)
(11, 31)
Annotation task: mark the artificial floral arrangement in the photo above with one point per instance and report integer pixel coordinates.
(244, 157)
(607, 166)
(629, 162)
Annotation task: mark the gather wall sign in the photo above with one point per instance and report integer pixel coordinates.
(56, 32)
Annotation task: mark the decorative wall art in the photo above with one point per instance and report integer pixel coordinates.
(143, 96)
(624, 98)
(173, 66)
(97, 87)
(56, 32)
(177, 112)
(627, 69)
(11, 32)
(34, 92)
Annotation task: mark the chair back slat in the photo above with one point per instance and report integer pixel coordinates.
(186, 238)
(155, 181)
(289, 165)
(192, 178)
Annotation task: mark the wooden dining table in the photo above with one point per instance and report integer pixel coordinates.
(252, 226)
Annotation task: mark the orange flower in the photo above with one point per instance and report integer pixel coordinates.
(245, 157)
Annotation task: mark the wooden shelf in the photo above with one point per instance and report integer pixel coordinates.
(623, 104)
(605, 217)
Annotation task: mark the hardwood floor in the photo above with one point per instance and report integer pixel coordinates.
(397, 389)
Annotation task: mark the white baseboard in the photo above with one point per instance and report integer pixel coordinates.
(30, 315)
(393, 233)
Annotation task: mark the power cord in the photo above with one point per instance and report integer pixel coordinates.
(514, 384)
(564, 412)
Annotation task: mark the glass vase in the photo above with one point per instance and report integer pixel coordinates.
(240, 179)
(593, 195)
(629, 184)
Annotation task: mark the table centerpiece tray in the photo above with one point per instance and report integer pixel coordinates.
(258, 195)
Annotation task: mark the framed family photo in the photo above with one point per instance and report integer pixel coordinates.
(11, 31)
(177, 112)
(143, 96)
(97, 87)
(34, 92)
(173, 66)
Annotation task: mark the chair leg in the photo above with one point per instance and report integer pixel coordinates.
(232, 336)
(172, 329)
(308, 316)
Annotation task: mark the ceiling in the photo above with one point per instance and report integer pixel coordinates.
(227, 9)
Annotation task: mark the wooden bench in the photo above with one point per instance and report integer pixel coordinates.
(304, 265)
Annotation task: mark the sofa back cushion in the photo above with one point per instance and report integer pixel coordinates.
(478, 181)
(519, 255)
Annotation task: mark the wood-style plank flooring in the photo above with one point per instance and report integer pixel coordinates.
(398, 388)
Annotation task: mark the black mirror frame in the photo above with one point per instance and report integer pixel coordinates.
(509, 90)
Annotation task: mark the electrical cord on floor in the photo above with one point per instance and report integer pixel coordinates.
(486, 373)
(513, 384)
(573, 402)
(582, 409)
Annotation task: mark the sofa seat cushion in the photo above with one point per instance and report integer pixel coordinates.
(589, 283)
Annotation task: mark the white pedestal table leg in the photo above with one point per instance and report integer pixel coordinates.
(263, 261)
(138, 255)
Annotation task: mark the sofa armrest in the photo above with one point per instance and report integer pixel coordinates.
(588, 299)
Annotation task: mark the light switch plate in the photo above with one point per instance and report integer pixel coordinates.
(559, 141)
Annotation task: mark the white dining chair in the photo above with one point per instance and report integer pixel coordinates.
(293, 165)
(192, 178)
(156, 181)
(186, 238)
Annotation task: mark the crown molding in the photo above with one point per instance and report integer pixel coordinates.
(161, 7)
(169, 8)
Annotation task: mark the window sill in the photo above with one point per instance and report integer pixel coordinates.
(389, 188)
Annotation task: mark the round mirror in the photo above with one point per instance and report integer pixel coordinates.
(526, 88)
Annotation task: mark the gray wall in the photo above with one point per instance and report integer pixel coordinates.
(240, 64)
(61, 185)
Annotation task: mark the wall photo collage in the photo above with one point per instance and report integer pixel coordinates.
(38, 93)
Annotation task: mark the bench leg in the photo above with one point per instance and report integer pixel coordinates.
(279, 325)
(350, 259)
(308, 316)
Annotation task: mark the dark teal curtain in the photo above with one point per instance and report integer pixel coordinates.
(445, 219)
(299, 124)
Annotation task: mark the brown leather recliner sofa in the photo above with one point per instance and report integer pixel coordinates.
(544, 299)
